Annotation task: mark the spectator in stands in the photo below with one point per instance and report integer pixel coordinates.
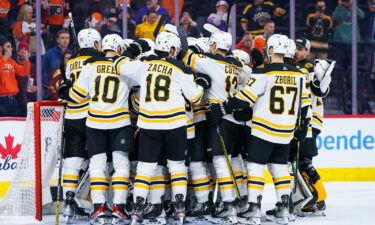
(56, 77)
(151, 5)
(55, 11)
(169, 6)
(189, 25)
(95, 21)
(24, 27)
(259, 41)
(5, 6)
(255, 16)
(368, 28)
(219, 19)
(246, 43)
(319, 25)
(23, 55)
(343, 32)
(52, 59)
(9, 69)
(199, 13)
(146, 29)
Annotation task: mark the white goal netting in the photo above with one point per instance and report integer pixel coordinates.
(21, 198)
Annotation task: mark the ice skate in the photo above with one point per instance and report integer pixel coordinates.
(252, 214)
(282, 210)
(179, 208)
(315, 210)
(200, 212)
(225, 213)
(119, 215)
(270, 214)
(138, 211)
(242, 205)
(71, 208)
(100, 215)
(154, 214)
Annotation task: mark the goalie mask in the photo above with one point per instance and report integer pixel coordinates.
(112, 42)
(166, 41)
(88, 37)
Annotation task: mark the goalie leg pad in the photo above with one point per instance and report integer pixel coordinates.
(311, 177)
(281, 178)
(72, 166)
(98, 181)
(255, 183)
(179, 178)
(120, 179)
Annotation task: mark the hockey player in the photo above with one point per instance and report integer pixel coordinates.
(319, 78)
(108, 129)
(164, 83)
(272, 92)
(226, 73)
(89, 41)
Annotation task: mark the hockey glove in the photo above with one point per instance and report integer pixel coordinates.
(204, 81)
(216, 112)
(323, 70)
(256, 58)
(243, 115)
(136, 48)
(63, 90)
(301, 130)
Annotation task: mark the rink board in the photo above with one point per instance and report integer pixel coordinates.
(346, 149)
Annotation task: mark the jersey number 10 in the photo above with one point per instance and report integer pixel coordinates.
(108, 95)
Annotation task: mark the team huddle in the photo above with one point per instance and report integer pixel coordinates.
(186, 134)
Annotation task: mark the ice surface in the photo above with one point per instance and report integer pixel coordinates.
(348, 203)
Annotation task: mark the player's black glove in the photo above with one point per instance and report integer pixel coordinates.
(243, 114)
(218, 110)
(63, 90)
(256, 58)
(203, 80)
(301, 130)
(136, 48)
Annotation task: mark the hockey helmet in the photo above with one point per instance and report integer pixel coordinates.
(88, 37)
(165, 41)
(112, 42)
(242, 55)
(222, 39)
(291, 51)
(279, 43)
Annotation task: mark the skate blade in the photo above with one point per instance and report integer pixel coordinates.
(118, 221)
(226, 220)
(251, 221)
(101, 221)
(283, 220)
(155, 221)
(270, 218)
(311, 214)
(199, 219)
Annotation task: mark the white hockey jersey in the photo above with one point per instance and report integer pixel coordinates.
(72, 72)
(226, 74)
(108, 92)
(273, 92)
(165, 84)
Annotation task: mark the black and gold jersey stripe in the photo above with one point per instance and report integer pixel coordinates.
(166, 116)
(272, 129)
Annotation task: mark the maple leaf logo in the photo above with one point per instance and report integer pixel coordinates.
(9, 150)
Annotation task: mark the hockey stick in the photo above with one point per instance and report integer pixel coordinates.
(295, 168)
(59, 188)
(227, 160)
(183, 39)
(161, 22)
(71, 23)
(231, 3)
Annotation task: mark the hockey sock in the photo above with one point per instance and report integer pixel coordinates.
(142, 180)
(200, 181)
(120, 179)
(178, 172)
(281, 179)
(72, 166)
(226, 185)
(157, 186)
(98, 180)
(238, 174)
(255, 182)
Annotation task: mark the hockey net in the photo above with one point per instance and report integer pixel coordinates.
(37, 160)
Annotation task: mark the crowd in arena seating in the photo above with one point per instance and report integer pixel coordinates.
(327, 24)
